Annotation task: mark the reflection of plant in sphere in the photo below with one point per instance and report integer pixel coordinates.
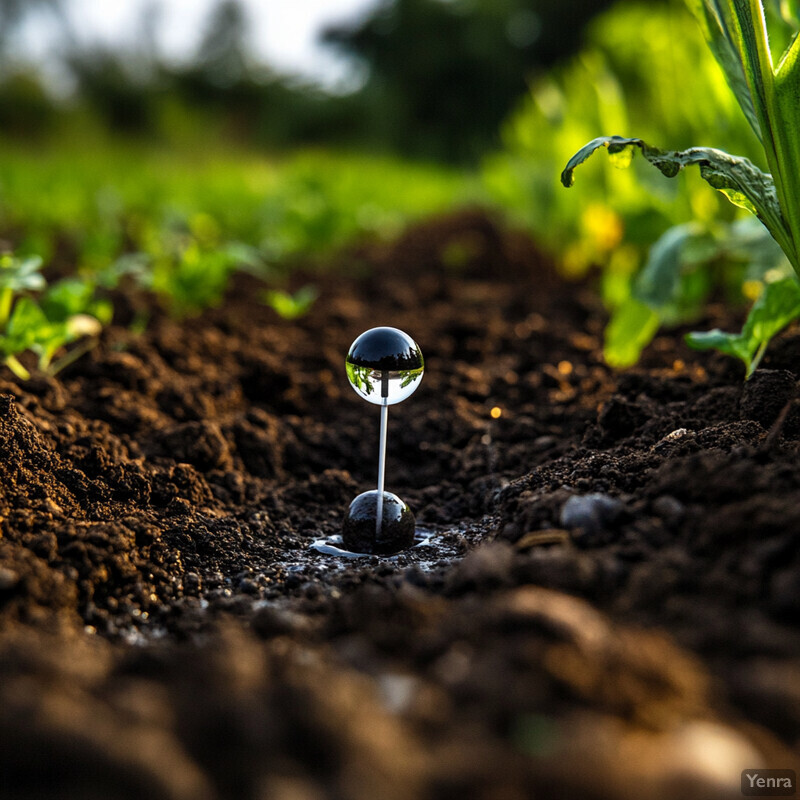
(408, 376)
(384, 366)
(359, 378)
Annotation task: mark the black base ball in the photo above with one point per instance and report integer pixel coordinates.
(397, 528)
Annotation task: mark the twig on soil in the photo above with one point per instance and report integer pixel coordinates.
(777, 426)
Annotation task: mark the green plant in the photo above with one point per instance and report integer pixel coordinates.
(736, 31)
(16, 276)
(188, 276)
(65, 312)
(291, 306)
(632, 74)
(775, 308)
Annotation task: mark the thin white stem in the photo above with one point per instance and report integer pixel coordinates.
(381, 467)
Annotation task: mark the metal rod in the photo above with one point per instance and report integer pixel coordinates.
(381, 467)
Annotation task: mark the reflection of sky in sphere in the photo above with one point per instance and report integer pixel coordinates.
(284, 34)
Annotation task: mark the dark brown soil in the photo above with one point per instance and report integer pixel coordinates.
(606, 604)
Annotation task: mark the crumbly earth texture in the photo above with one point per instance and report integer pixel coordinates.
(603, 604)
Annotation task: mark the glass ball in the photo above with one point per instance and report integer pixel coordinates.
(384, 366)
(397, 527)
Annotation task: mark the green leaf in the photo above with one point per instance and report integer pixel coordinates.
(191, 280)
(21, 275)
(134, 264)
(26, 325)
(738, 178)
(67, 297)
(715, 22)
(741, 27)
(409, 376)
(665, 282)
(778, 305)
(748, 242)
(731, 344)
(359, 377)
(291, 306)
(630, 330)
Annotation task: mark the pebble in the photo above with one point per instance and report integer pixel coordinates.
(670, 509)
(591, 514)
(248, 586)
(8, 579)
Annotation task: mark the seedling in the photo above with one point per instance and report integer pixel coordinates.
(767, 92)
(16, 276)
(66, 311)
(291, 306)
(384, 366)
(188, 276)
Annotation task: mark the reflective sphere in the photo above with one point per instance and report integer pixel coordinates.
(384, 366)
(397, 529)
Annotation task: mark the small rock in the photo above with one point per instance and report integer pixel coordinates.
(676, 437)
(670, 509)
(8, 579)
(590, 514)
(248, 586)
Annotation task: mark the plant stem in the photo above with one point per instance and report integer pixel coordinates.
(6, 298)
(72, 355)
(775, 99)
(756, 360)
(14, 365)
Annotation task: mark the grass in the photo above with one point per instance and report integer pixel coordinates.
(108, 197)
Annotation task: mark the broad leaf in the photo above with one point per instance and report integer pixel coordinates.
(731, 344)
(631, 328)
(26, 325)
(291, 306)
(778, 305)
(67, 297)
(737, 178)
(21, 275)
(715, 24)
(667, 281)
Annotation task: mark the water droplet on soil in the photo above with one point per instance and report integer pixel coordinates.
(384, 366)
(397, 525)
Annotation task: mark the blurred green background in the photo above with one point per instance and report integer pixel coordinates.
(108, 150)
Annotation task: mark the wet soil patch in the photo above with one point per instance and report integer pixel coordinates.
(607, 593)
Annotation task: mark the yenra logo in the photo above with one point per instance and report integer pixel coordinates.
(769, 783)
